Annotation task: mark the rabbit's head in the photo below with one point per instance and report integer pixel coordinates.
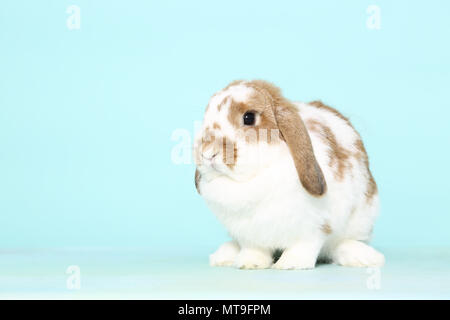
(244, 127)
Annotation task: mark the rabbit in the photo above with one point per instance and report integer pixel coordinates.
(285, 176)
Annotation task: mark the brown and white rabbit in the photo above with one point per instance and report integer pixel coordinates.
(285, 176)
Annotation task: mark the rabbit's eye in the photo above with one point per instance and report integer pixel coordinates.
(249, 118)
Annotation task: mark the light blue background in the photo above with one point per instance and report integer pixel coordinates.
(86, 116)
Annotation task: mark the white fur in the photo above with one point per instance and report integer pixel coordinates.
(264, 206)
(253, 258)
(225, 255)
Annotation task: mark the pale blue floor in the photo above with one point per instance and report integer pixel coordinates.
(138, 274)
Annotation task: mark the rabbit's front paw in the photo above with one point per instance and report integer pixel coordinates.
(292, 262)
(303, 255)
(225, 255)
(253, 259)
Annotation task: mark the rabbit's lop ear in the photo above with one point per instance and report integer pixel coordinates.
(297, 138)
(294, 132)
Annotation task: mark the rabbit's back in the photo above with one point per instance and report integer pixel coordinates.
(352, 191)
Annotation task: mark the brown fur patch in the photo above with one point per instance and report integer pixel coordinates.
(266, 128)
(372, 188)
(326, 228)
(361, 154)
(216, 126)
(320, 105)
(197, 180)
(221, 104)
(235, 113)
(339, 156)
(229, 152)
